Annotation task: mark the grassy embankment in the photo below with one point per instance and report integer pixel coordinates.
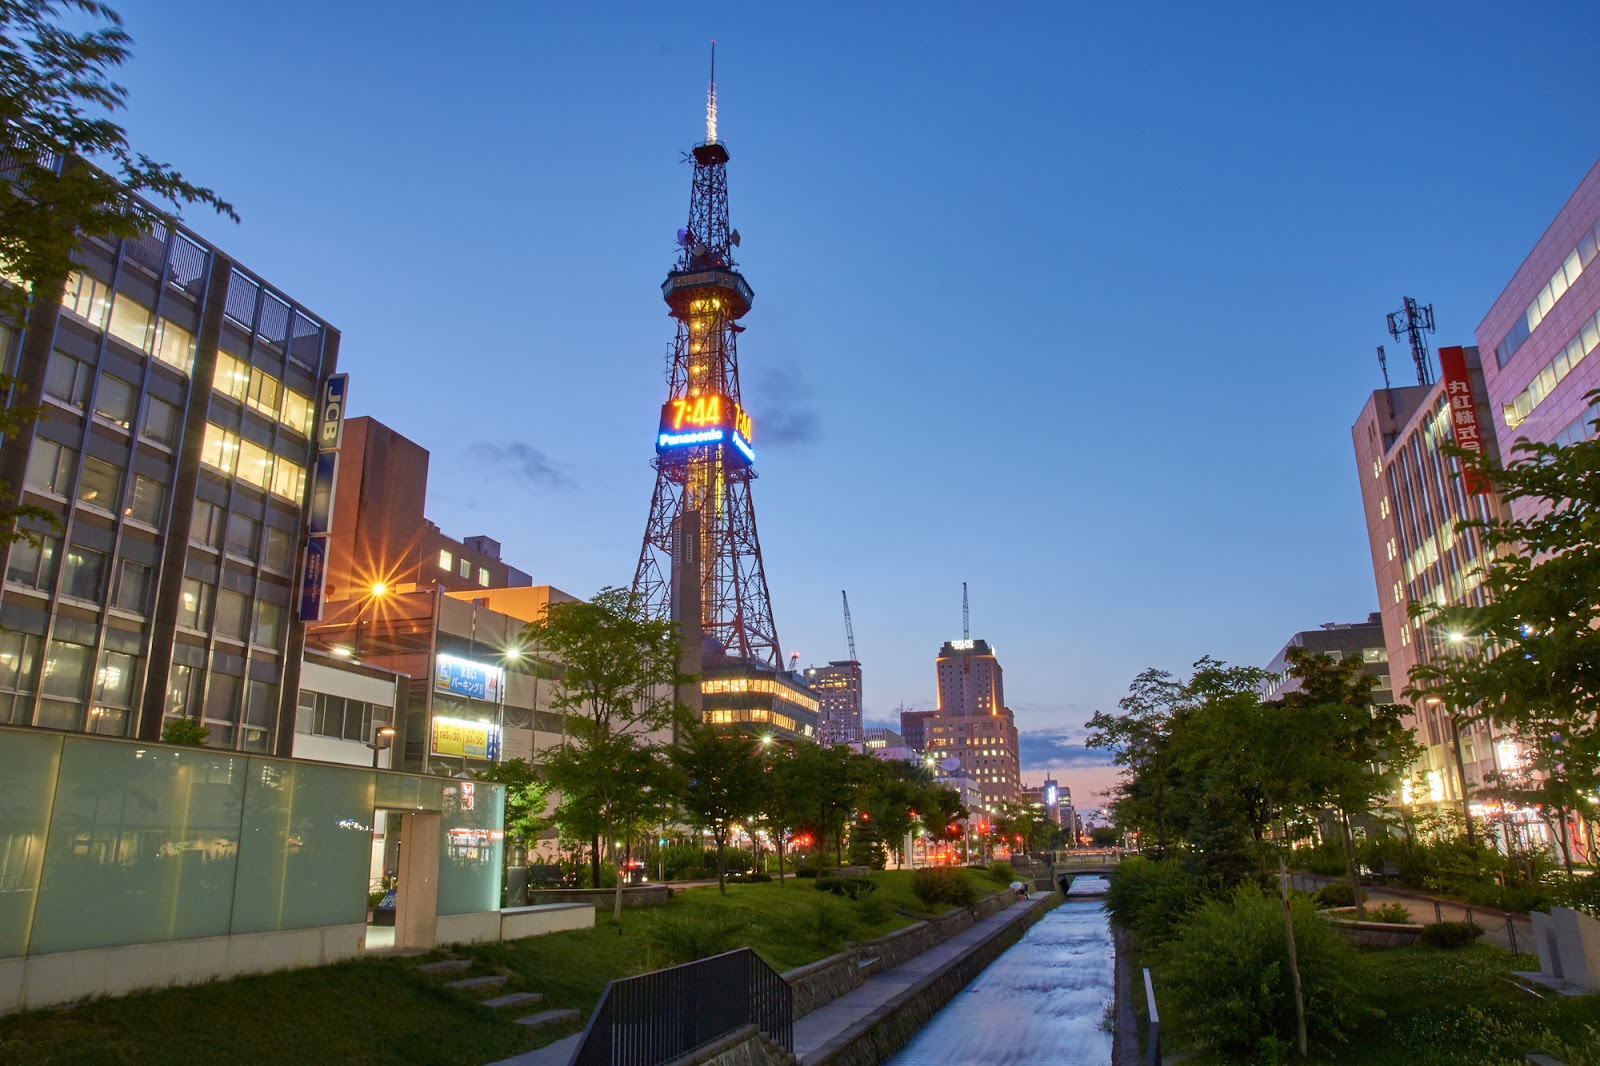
(380, 1010)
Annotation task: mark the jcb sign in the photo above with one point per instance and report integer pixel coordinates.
(332, 421)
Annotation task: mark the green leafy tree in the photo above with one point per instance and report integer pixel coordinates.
(1528, 659)
(781, 804)
(719, 783)
(185, 731)
(618, 672)
(527, 797)
(69, 173)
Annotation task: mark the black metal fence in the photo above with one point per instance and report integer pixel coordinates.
(658, 1016)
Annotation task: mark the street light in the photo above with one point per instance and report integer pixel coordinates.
(377, 592)
(381, 740)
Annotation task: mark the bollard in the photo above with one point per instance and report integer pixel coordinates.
(1511, 928)
(1438, 915)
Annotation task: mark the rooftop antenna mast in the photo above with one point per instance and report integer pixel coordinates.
(1414, 320)
(711, 99)
(966, 619)
(849, 629)
(1388, 393)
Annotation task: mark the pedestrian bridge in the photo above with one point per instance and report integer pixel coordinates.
(1074, 864)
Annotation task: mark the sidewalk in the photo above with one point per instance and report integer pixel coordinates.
(825, 1024)
(1499, 927)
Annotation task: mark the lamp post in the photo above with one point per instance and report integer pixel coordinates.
(381, 740)
(377, 592)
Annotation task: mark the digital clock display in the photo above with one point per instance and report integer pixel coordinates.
(698, 421)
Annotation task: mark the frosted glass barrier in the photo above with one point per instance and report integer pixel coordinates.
(408, 792)
(470, 845)
(305, 847)
(142, 848)
(28, 765)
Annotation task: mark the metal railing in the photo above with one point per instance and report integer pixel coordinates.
(1152, 1055)
(658, 1016)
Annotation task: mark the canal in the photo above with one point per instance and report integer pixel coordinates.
(1040, 1002)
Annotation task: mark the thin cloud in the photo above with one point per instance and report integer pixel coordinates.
(786, 407)
(524, 461)
(1057, 749)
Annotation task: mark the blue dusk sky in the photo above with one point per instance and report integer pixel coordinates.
(1073, 302)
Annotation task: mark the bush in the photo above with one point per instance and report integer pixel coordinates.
(1394, 913)
(1449, 935)
(1226, 972)
(831, 921)
(944, 884)
(1337, 894)
(1324, 860)
(873, 910)
(1150, 897)
(1003, 872)
(854, 887)
(748, 879)
(807, 871)
(685, 939)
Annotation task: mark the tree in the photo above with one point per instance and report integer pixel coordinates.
(719, 783)
(185, 731)
(616, 686)
(526, 797)
(68, 173)
(1528, 659)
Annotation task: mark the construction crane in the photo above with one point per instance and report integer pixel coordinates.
(794, 661)
(849, 630)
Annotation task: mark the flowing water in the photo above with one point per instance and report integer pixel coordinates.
(1040, 1002)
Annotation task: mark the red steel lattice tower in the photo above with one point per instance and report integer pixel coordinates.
(701, 513)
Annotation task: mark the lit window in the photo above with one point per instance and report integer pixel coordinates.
(130, 321)
(1377, 468)
(87, 297)
(100, 484)
(220, 449)
(255, 464)
(50, 466)
(264, 393)
(148, 502)
(446, 560)
(466, 568)
(297, 412)
(232, 377)
(173, 345)
(288, 479)
(483, 576)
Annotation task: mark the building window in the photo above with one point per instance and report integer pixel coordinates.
(66, 670)
(87, 297)
(298, 412)
(205, 526)
(445, 559)
(279, 555)
(100, 484)
(50, 466)
(19, 660)
(327, 715)
(160, 422)
(130, 321)
(261, 711)
(264, 393)
(483, 576)
(222, 702)
(194, 606)
(149, 501)
(220, 448)
(133, 587)
(232, 377)
(114, 401)
(269, 624)
(232, 608)
(113, 693)
(1383, 508)
(174, 346)
(288, 479)
(183, 692)
(84, 574)
(1374, 655)
(244, 534)
(255, 465)
(466, 568)
(67, 379)
(34, 564)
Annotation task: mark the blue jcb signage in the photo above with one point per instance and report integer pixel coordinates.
(312, 578)
(331, 418)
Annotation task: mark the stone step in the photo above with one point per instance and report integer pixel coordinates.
(549, 1017)
(447, 966)
(514, 999)
(478, 984)
(862, 964)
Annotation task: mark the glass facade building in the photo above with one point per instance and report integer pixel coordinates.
(181, 395)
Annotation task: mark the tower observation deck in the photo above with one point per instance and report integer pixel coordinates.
(701, 556)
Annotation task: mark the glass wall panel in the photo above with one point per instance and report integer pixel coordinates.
(142, 846)
(307, 846)
(405, 792)
(28, 764)
(470, 845)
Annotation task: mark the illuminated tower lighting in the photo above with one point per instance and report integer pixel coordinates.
(704, 451)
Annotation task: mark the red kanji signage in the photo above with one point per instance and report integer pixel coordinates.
(1463, 414)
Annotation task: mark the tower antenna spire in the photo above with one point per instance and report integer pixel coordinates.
(966, 624)
(711, 99)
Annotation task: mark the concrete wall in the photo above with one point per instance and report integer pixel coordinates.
(519, 922)
(642, 896)
(66, 977)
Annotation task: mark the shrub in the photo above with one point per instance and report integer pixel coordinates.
(1150, 897)
(830, 922)
(944, 884)
(1003, 872)
(854, 887)
(873, 910)
(1449, 935)
(1226, 972)
(749, 879)
(806, 871)
(685, 939)
(1337, 894)
(1394, 913)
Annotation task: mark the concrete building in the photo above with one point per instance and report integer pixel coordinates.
(1338, 640)
(914, 728)
(887, 745)
(186, 398)
(969, 678)
(838, 690)
(757, 700)
(1415, 504)
(973, 725)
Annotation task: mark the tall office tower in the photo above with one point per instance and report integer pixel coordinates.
(973, 724)
(183, 396)
(914, 728)
(838, 689)
(700, 563)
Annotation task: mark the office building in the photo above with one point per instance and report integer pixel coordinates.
(1337, 640)
(914, 728)
(973, 725)
(183, 397)
(838, 690)
(887, 745)
(969, 678)
(753, 699)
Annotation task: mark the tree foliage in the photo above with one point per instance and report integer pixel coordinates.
(719, 783)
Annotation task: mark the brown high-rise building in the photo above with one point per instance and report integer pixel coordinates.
(973, 724)
(914, 728)
(969, 678)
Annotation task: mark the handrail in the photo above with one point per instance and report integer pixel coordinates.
(658, 1016)
(1153, 1049)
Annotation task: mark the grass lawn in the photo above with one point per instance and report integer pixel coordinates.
(380, 1010)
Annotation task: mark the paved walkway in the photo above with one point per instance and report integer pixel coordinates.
(1499, 927)
(822, 1025)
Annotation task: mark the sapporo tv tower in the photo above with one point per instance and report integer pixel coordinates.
(701, 559)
